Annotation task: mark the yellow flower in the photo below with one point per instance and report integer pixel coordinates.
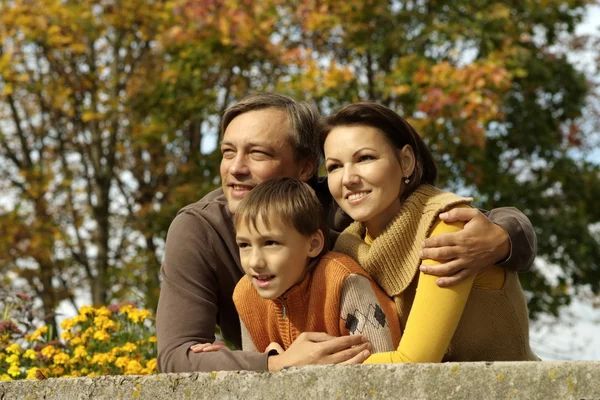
(13, 359)
(103, 336)
(152, 339)
(79, 318)
(126, 309)
(48, 351)
(2, 356)
(151, 365)
(31, 373)
(133, 368)
(122, 362)
(5, 377)
(14, 349)
(37, 334)
(92, 374)
(31, 354)
(14, 371)
(66, 335)
(80, 352)
(103, 322)
(87, 310)
(76, 341)
(60, 358)
(129, 347)
(58, 371)
(67, 324)
(103, 311)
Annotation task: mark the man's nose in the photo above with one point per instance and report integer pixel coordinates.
(239, 165)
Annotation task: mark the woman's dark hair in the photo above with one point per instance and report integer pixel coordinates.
(396, 130)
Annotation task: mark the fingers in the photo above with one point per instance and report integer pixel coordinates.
(446, 269)
(439, 254)
(454, 279)
(459, 214)
(353, 355)
(206, 347)
(445, 239)
(339, 344)
(315, 337)
(357, 359)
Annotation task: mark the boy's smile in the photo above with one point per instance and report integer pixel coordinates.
(275, 257)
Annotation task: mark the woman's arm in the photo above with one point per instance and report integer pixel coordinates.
(433, 318)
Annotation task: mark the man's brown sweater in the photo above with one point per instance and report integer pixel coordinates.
(202, 266)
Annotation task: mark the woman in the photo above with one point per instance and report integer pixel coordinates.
(381, 174)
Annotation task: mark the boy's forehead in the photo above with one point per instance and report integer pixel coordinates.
(261, 226)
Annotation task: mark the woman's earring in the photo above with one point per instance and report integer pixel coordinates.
(407, 180)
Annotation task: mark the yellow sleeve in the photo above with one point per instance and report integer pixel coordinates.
(433, 318)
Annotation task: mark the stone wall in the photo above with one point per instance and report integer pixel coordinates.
(525, 380)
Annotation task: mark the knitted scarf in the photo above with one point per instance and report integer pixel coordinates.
(393, 259)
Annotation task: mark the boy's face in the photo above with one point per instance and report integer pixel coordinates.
(275, 259)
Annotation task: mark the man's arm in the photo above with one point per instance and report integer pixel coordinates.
(506, 237)
(188, 303)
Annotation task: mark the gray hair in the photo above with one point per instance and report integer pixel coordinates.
(304, 121)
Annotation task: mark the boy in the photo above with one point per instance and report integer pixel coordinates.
(293, 284)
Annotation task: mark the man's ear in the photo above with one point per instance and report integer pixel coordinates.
(406, 156)
(317, 241)
(307, 169)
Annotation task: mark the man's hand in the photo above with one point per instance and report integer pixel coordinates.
(208, 347)
(321, 348)
(462, 254)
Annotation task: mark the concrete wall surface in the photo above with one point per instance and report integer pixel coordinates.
(498, 380)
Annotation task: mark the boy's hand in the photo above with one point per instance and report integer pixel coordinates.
(321, 348)
(479, 245)
(208, 347)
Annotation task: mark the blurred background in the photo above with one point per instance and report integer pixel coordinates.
(109, 115)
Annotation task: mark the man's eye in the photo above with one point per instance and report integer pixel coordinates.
(227, 153)
(259, 154)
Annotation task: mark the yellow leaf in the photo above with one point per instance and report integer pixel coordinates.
(88, 116)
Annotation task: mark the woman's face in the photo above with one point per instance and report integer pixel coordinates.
(366, 174)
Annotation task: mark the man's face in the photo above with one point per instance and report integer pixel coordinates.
(256, 147)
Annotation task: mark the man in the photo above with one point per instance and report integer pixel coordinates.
(265, 136)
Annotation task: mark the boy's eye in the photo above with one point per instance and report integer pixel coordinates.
(243, 245)
(271, 243)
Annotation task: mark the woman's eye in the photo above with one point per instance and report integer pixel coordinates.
(331, 168)
(366, 158)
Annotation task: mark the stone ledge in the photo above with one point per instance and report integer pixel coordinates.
(505, 380)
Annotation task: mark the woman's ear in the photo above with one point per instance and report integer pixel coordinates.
(317, 241)
(406, 156)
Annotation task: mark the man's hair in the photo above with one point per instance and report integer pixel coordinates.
(288, 201)
(397, 131)
(303, 118)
